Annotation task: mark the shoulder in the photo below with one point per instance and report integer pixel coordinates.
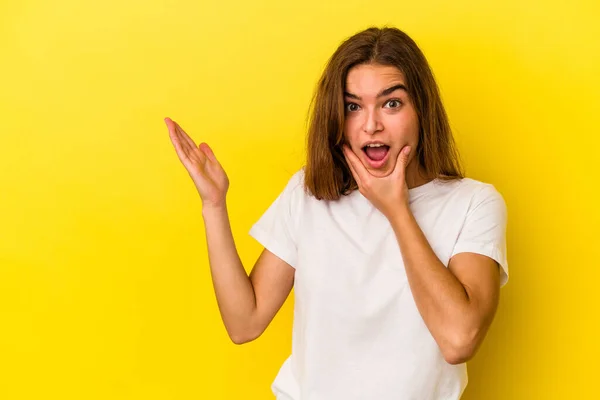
(481, 194)
(295, 184)
(468, 194)
(467, 186)
(294, 191)
(479, 188)
(297, 179)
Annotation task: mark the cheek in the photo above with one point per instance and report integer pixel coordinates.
(350, 132)
(406, 129)
(412, 125)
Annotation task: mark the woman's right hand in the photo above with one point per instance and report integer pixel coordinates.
(209, 177)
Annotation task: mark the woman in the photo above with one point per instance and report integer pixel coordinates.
(396, 258)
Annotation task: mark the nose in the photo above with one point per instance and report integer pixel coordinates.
(372, 122)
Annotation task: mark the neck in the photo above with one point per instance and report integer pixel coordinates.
(415, 175)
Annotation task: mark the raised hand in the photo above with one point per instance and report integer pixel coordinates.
(209, 177)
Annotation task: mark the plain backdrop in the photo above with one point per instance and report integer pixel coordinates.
(105, 291)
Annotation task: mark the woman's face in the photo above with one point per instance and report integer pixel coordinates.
(380, 118)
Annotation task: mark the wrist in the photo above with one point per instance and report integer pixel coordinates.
(400, 215)
(214, 210)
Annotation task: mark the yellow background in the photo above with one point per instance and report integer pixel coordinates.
(105, 291)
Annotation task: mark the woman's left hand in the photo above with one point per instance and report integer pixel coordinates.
(389, 193)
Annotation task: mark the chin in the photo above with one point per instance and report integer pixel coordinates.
(381, 172)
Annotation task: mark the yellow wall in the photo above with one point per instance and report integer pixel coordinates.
(104, 285)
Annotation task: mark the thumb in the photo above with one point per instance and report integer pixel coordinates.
(205, 148)
(402, 161)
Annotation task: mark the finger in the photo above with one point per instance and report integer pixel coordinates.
(189, 145)
(180, 148)
(358, 170)
(402, 160)
(354, 174)
(205, 148)
(201, 157)
(187, 154)
(213, 164)
(177, 144)
(185, 141)
(170, 127)
(195, 152)
(174, 133)
(352, 171)
(184, 135)
(352, 165)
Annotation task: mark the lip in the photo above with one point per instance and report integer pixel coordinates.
(373, 142)
(375, 164)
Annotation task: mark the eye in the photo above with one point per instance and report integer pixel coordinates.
(393, 103)
(351, 107)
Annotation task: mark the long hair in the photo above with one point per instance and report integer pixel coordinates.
(327, 175)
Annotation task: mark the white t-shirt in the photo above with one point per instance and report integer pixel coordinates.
(357, 333)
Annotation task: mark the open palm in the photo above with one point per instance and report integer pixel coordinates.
(207, 173)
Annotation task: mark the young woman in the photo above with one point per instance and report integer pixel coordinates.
(397, 259)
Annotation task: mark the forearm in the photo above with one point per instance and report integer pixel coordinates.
(233, 288)
(440, 297)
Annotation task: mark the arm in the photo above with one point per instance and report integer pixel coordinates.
(457, 303)
(247, 304)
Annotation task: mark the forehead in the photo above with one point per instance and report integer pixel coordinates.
(365, 79)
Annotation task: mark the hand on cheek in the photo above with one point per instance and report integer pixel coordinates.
(387, 193)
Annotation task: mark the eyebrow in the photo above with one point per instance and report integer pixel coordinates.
(384, 92)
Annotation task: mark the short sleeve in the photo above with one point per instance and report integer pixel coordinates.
(277, 228)
(484, 229)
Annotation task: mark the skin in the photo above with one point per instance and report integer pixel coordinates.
(457, 303)
(247, 304)
(373, 113)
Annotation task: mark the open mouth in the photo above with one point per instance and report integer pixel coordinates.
(376, 154)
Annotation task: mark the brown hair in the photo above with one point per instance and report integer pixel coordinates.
(327, 175)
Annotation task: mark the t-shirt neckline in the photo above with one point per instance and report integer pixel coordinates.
(416, 191)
